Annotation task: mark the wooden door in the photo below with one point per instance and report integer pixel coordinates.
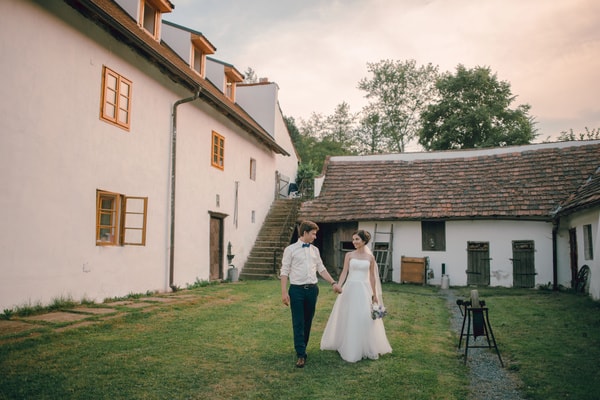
(216, 248)
(523, 263)
(478, 263)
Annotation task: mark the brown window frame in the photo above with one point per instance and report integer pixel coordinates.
(123, 220)
(217, 158)
(116, 102)
(150, 18)
(433, 235)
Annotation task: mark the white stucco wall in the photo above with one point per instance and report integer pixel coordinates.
(215, 72)
(179, 40)
(577, 221)
(499, 234)
(55, 152)
(199, 187)
(260, 101)
(287, 165)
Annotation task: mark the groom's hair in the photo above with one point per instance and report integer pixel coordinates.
(307, 226)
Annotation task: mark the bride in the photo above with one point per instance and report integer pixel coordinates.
(350, 329)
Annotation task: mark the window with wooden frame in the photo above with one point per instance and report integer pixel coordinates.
(232, 77)
(588, 244)
(433, 235)
(253, 169)
(120, 219)
(200, 48)
(218, 151)
(116, 99)
(151, 13)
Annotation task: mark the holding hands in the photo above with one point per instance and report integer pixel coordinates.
(336, 287)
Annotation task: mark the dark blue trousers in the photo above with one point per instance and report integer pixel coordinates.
(303, 302)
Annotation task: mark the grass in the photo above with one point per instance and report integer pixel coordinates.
(234, 341)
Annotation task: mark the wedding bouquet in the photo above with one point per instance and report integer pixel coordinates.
(377, 311)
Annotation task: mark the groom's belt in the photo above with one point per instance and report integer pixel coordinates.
(305, 285)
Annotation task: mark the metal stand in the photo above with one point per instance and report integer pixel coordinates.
(478, 324)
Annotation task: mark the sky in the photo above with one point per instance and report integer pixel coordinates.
(317, 50)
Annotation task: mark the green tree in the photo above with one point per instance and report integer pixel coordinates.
(589, 134)
(369, 132)
(322, 136)
(340, 126)
(250, 76)
(398, 92)
(474, 111)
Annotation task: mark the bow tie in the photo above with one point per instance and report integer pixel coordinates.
(305, 244)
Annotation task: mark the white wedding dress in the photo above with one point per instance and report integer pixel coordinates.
(350, 329)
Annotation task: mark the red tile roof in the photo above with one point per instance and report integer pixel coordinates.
(588, 195)
(526, 182)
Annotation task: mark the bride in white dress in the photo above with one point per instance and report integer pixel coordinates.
(350, 329)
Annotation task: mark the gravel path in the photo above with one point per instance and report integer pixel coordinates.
(489, 381)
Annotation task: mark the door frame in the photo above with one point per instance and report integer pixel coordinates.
(216, 250)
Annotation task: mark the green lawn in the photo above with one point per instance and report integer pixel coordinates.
(234, 341)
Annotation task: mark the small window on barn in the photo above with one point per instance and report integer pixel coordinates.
(588, 244)
(433, 235)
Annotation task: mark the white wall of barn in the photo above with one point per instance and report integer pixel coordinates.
(577, 221)
(499, 234)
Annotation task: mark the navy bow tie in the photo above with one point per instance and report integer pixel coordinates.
(305, 244)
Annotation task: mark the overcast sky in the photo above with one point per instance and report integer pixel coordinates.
(317, 50)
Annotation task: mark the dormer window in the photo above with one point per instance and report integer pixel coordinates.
(151, 13)
(232, 77)
(200, 48)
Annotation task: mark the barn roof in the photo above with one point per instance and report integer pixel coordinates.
(522, 182)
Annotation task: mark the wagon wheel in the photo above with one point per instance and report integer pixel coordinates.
(582, 278)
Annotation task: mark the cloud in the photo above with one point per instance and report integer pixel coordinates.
(317, 50)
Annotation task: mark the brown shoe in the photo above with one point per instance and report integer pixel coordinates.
(300, 363)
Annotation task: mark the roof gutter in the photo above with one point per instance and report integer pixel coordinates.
(173, 180)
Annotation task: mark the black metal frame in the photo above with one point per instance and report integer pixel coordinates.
(480, 327)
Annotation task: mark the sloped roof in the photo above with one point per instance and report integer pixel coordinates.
(111, 17)
(525, 182)
(587, 195)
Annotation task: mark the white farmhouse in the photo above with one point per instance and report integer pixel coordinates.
(520, 216)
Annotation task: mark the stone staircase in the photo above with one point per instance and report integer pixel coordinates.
(264, 260)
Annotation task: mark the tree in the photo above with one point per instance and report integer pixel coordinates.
(474, 111)
(590, 134)
(250, 76)
(398, 92)
(321, 136)
(369, 134)
(340, 126)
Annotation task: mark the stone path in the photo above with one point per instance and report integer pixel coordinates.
(20, 328)
(489, 381)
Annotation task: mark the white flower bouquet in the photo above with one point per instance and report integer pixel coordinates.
(377, 311)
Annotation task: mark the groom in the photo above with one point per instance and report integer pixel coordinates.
(300, 264)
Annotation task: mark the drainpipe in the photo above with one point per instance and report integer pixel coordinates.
(173, 175)
(555, 224)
